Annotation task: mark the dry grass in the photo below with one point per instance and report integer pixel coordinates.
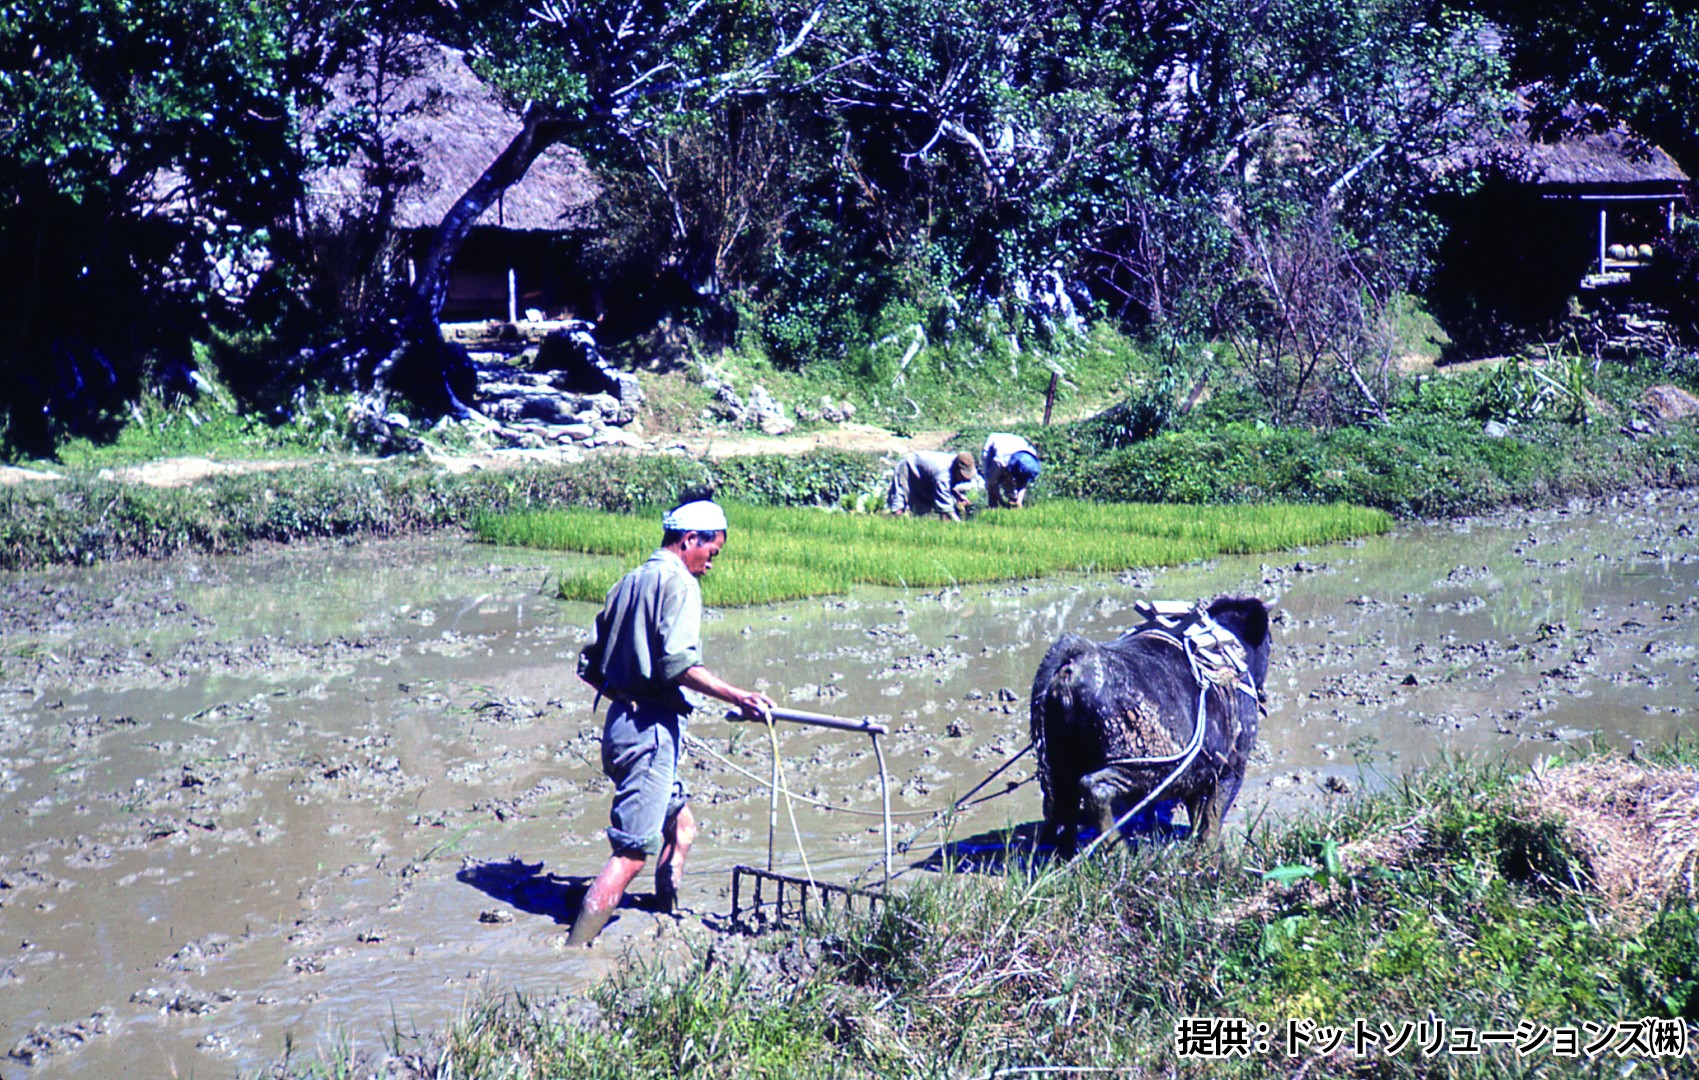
(1636, 824)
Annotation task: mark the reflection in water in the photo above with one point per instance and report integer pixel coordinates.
(355, 787)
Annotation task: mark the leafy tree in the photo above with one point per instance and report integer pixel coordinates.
(595, 72)
(340, 252)
(1018, 153)
(694, 212)
(145, 147)
(1637, 59)
(1364, 108)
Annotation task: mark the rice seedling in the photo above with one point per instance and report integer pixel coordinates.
(787, 553)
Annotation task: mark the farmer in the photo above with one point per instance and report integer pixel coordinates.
(932, 482)
(647, 647)
(1011, 465)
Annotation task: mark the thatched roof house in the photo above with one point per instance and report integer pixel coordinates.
(449, 126)
(1630, 188)
(1585, 207)
(1599, 163)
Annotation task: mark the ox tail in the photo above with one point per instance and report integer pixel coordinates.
(1054, 701)
(1056, 685)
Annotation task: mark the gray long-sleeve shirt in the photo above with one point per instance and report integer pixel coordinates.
(648, 633)
(921, 484)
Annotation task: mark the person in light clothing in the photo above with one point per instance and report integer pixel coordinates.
(647, 649)
(1011, 465)
(932, 482)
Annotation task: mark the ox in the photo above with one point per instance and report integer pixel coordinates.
(1168, 709)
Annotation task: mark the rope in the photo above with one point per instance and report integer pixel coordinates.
(1186, 757)
(962, 803)
(790, 809)
(696, 744)
(884, 804)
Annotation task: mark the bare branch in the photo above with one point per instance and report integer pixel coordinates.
(1344, 181)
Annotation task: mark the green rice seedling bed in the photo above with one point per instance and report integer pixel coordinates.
(785, 553)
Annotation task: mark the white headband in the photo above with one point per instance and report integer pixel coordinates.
(699, 516)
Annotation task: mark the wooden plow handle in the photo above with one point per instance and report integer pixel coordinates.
(836, 723)
(814, 719)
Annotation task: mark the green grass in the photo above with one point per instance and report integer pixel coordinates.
(972, 378)
(1448, 897)
(215, 426)
(779, 553)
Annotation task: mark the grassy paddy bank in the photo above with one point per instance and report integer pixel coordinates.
(1422, 466)
(785, 554)
(1477, 921)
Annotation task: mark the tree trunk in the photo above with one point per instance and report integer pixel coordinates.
(436, 376)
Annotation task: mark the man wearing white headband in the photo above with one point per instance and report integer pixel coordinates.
(648, 645)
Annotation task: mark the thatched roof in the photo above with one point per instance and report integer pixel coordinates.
(1612, 158)
(1581, 158)
(458, 126)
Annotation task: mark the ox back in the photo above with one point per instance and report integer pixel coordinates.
(1100, 710)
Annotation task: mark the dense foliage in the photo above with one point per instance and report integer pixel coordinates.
(841, 185)
(147, 148)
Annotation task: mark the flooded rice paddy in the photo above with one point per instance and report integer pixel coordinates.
(317, 798)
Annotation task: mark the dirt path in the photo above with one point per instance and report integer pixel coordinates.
(860, 437)
(179, 471)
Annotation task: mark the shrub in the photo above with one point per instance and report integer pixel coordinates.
(818, 479)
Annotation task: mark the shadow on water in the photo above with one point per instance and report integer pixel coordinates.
(526, 887)
(1023, 847)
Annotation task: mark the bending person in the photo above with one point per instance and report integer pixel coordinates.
(1011, 465)
(932, 482)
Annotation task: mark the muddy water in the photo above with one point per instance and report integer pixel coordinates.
(319, 798)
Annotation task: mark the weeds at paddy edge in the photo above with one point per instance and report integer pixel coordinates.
(1469, 898)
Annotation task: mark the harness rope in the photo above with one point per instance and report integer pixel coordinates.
(697, 744)
(964, 802)
(790, 810)
(1157, 614)
(1198, 633)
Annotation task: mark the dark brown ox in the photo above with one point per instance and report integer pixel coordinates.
(1115, 721)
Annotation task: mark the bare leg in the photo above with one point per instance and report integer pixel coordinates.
(603, 897)
(669, 869)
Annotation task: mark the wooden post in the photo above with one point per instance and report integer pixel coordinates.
(512, 296)
(1601, 239)
(1050, 399)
